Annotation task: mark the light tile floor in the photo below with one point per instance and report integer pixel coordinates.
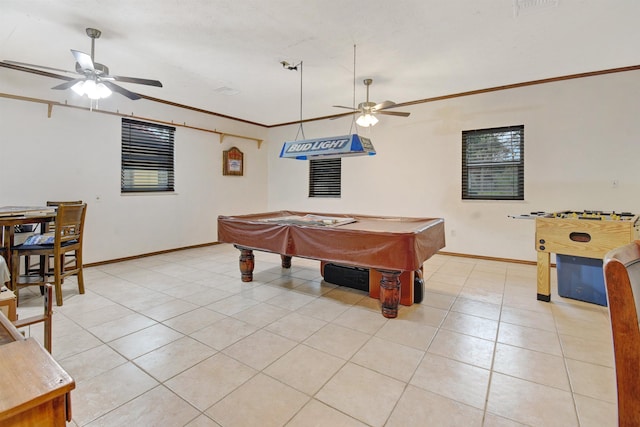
(177, 339)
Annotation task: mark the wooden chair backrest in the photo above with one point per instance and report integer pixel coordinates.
(622, 280)
(58, 203)
(69, 223)
(51, 225)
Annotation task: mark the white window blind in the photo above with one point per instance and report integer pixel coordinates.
(147, 157)
(493, 163)
(325, 177)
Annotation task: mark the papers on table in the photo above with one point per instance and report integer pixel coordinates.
(9, 211)
(309, 219)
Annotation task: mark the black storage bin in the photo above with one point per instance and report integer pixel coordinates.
(351, 277)
(358, 278)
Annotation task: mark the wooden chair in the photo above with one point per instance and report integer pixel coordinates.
(622, 280)
(67, 238)
(44, 318)
(46, 228)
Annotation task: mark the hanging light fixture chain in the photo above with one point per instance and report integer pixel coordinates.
(353, 116)
(301, 125)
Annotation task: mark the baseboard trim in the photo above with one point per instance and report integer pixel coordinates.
(202, 245)
(488, 258)
(166, 251)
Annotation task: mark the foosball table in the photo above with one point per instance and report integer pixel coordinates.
(588, 234)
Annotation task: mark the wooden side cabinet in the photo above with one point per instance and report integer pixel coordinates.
(34, 389)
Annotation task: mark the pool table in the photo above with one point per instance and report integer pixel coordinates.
(388, 245)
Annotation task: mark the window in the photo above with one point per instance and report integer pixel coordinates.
(147, 157)
(493, 164)
(325, 177)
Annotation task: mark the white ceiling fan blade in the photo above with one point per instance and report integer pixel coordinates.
(122, 91)
(348, 108)
(393, 113)
(24, 64)
(383, 105)
(84, 60)
(137, 80)
(338, 116)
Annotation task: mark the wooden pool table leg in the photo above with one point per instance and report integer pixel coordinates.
(406, 285)
(390, 293)
(286, 261)
(246, 264)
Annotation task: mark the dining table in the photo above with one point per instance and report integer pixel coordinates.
(12, 216)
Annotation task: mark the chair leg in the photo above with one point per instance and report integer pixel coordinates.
(80, 274)
(57, 273)
(62, 267)
(15, 273)
(47, 322)
(58, 286)
(47, 334)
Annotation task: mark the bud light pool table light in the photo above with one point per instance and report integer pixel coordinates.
(328, 148)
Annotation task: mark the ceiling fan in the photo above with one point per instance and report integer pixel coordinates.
(368, 109)
(95, 80)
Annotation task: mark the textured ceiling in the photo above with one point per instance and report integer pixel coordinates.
(224, 55)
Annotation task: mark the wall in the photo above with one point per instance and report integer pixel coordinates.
(580, 136)
(75, 154)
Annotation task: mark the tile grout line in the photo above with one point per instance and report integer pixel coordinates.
(493, 356)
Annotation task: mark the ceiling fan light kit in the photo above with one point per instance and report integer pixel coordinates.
(91, 89)
(368, 110)
(366, 120)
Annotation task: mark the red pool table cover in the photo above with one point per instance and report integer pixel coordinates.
(384, 243)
